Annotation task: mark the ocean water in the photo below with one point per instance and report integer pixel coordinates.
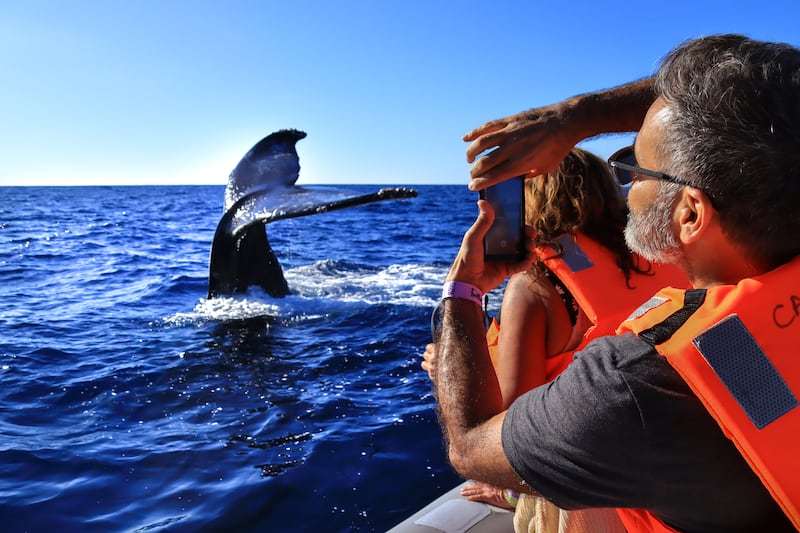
(131, 403)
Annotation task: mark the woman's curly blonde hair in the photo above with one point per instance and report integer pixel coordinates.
(581, 194)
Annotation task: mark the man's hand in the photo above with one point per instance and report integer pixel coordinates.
(534, 141)
(537, 140)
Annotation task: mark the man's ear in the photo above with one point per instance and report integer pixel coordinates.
(693, 214)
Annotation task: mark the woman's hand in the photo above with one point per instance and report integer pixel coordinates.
(486, 493)
(429, 360)
(469, 265)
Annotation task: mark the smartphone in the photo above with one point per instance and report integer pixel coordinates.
(505, 240)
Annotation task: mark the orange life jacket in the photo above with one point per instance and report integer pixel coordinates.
(737, 346)
(589, 271)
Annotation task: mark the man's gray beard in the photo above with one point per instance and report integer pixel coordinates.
(649, 233)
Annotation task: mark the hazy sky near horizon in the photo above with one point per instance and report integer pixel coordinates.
(163, 92)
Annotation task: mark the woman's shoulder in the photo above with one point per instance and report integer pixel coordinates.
(528, 285)
(525, 294)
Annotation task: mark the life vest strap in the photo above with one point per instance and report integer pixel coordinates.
(662, 331)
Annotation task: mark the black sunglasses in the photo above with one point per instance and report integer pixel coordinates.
(623, 164)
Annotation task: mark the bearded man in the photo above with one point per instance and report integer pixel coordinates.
(684, 420)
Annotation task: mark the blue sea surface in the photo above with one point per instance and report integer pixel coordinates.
(131, 403)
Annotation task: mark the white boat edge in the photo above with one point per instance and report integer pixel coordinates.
(452, 513)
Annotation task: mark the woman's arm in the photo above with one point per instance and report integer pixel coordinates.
(522, 345)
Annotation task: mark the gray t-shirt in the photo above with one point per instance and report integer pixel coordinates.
(620, 428)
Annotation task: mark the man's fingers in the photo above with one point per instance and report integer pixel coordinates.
(483, 129)
(508, 169)
(491, 137)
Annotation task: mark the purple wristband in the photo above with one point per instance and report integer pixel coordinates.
(511, 496)
(459, 289)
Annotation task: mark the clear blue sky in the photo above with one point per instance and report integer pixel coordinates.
(172, 91)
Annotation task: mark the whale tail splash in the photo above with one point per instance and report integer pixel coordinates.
(261, 189)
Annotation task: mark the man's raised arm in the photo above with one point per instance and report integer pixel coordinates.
(538, 139)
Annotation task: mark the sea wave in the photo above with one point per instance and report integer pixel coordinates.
(133, 403)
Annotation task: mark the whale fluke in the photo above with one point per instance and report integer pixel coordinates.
(261, 189)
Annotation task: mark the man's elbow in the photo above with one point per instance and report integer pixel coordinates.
(462, 460)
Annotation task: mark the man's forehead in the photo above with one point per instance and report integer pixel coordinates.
(654, 121)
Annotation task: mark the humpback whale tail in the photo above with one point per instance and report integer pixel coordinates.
(261, 189)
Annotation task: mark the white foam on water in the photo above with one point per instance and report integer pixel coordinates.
(409, 284)
(321, 287)
(227, 308)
